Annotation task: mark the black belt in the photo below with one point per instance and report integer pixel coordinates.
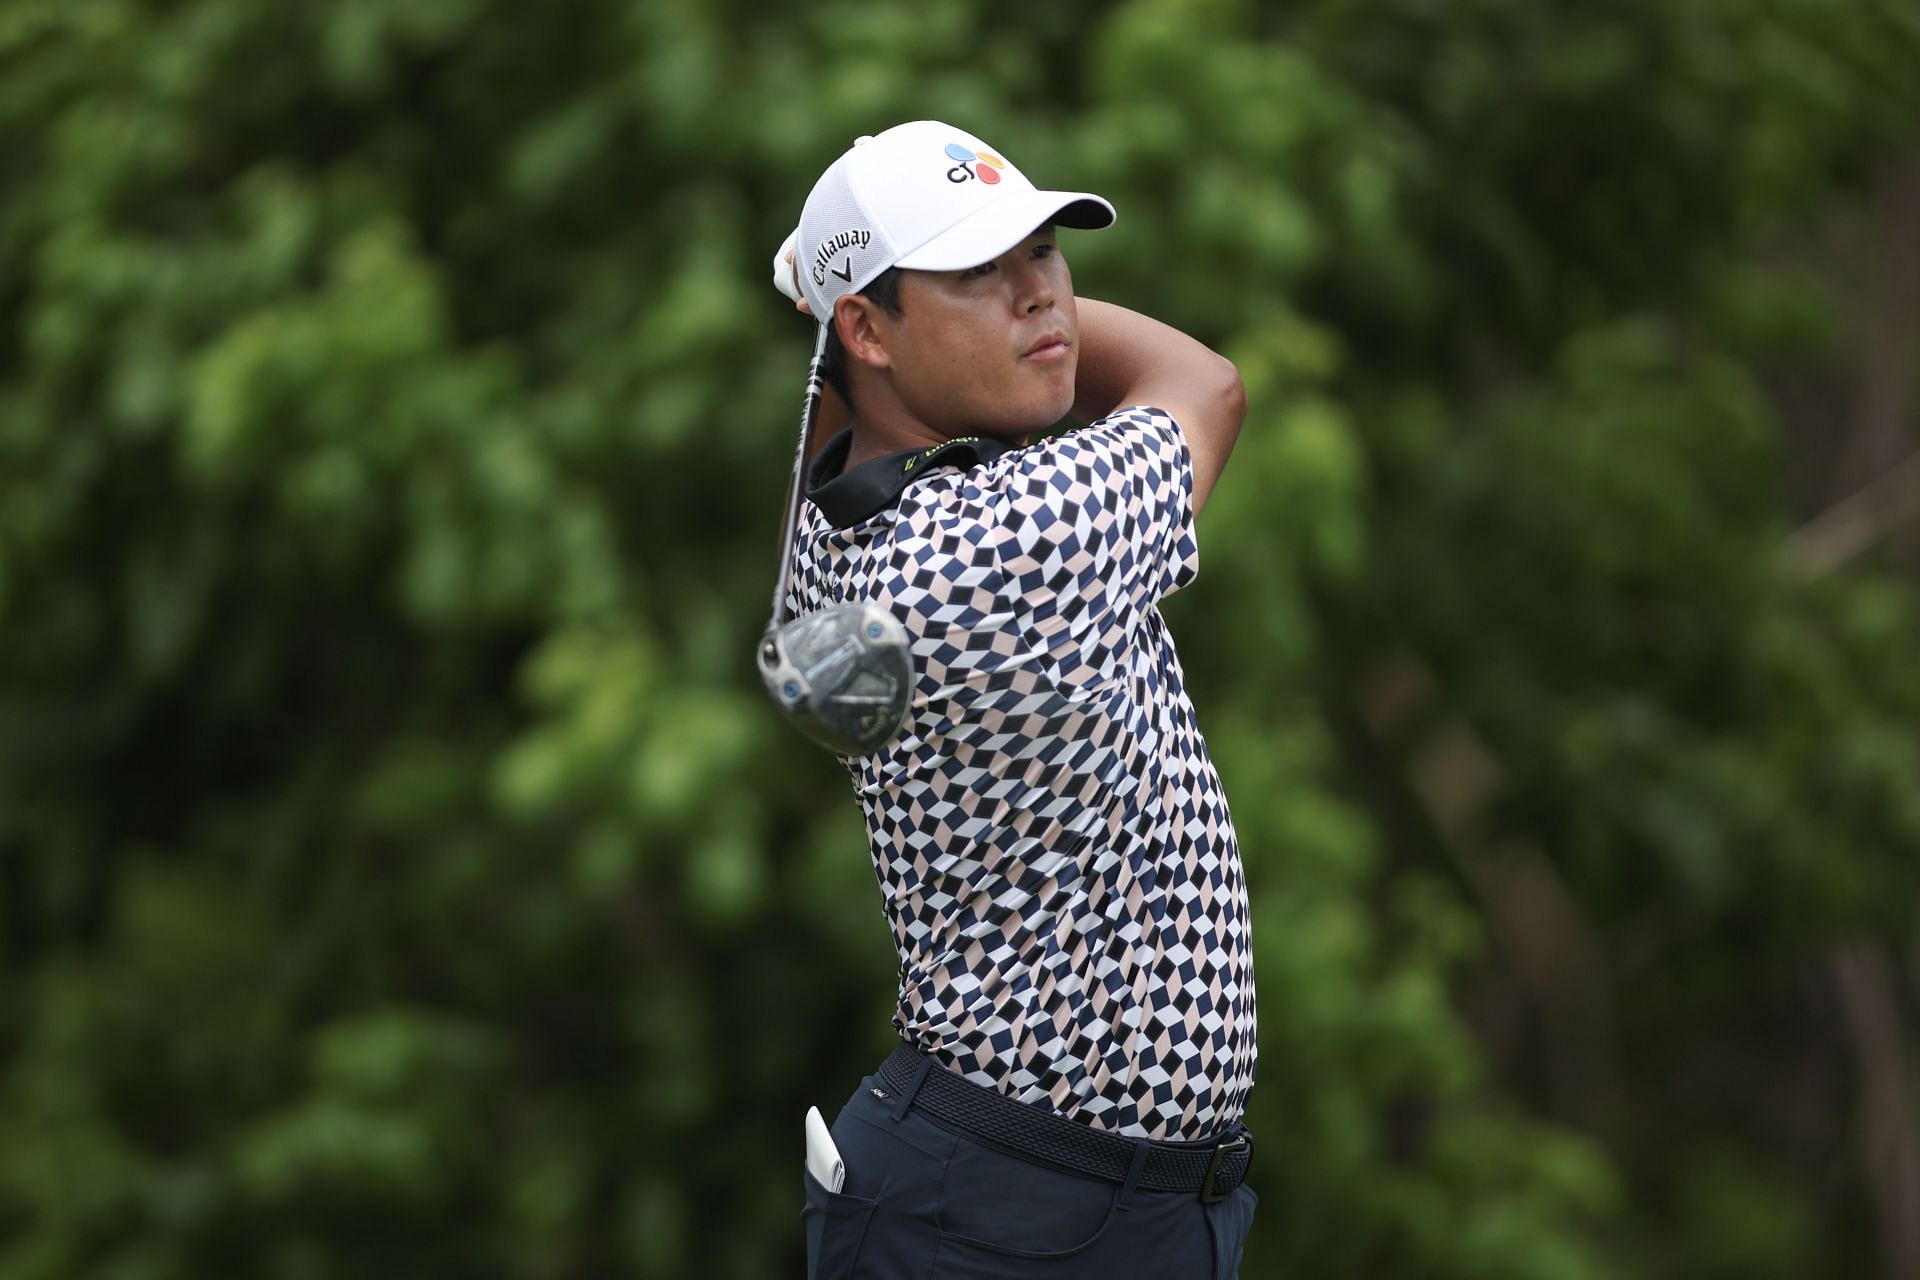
(1210, 1170)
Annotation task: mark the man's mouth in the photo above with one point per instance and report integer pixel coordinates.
(1052, 347)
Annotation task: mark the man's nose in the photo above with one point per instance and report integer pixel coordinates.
(1033, 291)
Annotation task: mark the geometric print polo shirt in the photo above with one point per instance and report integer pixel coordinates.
(1052, 845)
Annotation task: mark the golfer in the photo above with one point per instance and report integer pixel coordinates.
(1054, 853)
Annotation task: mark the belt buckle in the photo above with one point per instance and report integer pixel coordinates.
(1232, 1146)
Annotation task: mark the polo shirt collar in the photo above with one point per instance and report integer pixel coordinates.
(850, 497)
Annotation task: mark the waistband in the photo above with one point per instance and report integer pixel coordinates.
(1210, 1170)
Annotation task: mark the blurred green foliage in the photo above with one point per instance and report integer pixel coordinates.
(401, 873)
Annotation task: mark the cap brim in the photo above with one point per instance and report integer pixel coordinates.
(996, 228)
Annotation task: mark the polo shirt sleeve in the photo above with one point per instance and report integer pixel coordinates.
(1100, 518)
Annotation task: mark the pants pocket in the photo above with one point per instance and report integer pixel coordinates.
(995, 1203)
(836, 1225)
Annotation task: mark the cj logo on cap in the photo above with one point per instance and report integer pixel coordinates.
(983, 165)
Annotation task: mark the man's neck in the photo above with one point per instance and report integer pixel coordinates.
(875, 439)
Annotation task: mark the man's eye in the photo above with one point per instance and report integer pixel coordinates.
(980, 270)
(1043, 251)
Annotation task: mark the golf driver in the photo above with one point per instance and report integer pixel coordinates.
(843, 674)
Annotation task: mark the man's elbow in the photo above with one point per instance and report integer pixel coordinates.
(1215, 424)
(1230, 397)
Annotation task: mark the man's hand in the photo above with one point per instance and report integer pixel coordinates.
(1130, 359)
(786, 273)
(832, 413)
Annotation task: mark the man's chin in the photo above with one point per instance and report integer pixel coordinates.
(1001, 423)
(1043, 417)
(1020, 428)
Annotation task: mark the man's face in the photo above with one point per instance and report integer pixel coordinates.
(991, 350)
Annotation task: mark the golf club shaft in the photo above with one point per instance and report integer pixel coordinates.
(790, 525)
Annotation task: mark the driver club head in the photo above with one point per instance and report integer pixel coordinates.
(843, 675)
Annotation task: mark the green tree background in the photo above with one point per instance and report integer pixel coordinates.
(402, 874)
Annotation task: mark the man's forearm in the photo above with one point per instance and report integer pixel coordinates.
(1122, 351)
(828, 420)
(1127, 358)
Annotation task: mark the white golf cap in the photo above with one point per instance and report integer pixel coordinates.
(925, 196)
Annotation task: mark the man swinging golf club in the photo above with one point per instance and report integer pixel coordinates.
(1054, 852)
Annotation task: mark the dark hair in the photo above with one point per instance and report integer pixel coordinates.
(884, 291)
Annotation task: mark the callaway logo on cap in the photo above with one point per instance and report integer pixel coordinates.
(925, 196)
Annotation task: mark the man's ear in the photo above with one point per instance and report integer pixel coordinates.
(864, 330)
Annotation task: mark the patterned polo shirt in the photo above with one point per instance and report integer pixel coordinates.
(1052, 845)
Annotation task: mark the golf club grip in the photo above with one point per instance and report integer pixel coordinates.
(789, 526)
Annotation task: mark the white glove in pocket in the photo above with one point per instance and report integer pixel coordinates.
(823, 1158)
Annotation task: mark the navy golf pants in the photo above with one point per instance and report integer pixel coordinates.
(925, 1202)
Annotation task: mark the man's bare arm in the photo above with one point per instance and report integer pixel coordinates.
(1127, 358)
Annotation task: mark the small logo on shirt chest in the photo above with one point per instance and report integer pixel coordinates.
(935, 451)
